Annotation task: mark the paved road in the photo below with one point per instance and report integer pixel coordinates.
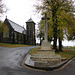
(10, 59)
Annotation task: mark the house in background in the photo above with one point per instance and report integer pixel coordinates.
(17, 34)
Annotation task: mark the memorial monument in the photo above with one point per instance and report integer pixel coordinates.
(45, 57)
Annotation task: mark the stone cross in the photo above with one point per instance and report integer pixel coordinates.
(45, 27)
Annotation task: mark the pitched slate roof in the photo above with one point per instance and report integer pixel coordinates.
(17, 27)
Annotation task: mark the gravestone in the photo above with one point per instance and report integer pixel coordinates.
(45, 57)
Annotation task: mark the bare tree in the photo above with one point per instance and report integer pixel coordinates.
(2, 10)
(2, 7)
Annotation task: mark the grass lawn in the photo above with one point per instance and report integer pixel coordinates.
(12, 45)
(33, 51)
(70, 48)
(68, 54)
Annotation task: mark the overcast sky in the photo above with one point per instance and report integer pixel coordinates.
(21, 10)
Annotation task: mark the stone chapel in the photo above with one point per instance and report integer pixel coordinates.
(16, 34)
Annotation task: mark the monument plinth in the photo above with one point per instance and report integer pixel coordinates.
(45, 57)
(45, 45)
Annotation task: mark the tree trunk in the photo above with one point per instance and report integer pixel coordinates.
(55, 40)
(60, 45)
(54, 19)
(40, 41)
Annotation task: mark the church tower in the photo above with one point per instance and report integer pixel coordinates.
(30, 33)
